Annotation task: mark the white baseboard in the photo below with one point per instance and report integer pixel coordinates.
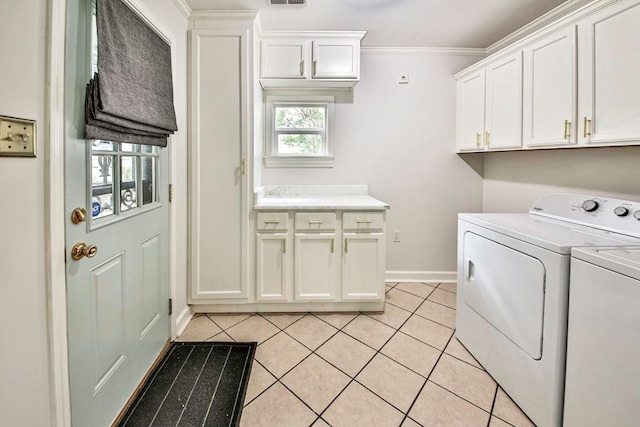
(421, 276)
(183, 320)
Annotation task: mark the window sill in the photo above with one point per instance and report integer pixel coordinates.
(299, 162)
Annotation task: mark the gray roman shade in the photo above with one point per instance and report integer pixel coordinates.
(130, 99)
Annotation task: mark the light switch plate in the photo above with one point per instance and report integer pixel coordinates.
(17, 137)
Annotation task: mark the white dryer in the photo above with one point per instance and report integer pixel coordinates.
(513, 288)
(603, 374)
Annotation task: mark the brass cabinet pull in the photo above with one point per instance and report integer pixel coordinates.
(243, 167)
(316, 221)
(302, 68)
(567, 129)
(487, 138)
(346, 246)
(363, 221)
(315, 67)
(284, 246)
(332, 245)
(587, 127)
(81, 250)
(478, 136)
(78, 215)
(271, 221)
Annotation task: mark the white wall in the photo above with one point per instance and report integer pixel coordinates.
(24, 386)
(400, 140)
(514, 180)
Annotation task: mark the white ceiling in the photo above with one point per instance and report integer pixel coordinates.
(400, 23)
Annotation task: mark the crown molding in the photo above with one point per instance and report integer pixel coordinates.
(437, 51)
(549, 18)
(228, 15)
(183, 7)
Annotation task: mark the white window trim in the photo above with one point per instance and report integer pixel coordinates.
(272, 158)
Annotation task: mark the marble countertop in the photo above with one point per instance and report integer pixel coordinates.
(329, 197)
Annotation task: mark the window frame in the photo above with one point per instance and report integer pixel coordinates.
(275, 159)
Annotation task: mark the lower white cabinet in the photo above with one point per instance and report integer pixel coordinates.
(316, 267)
(273, 266)
(322, 257)
(362, 275)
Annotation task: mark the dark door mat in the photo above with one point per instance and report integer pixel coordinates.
(196, 384)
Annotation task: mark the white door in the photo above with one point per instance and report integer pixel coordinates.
(549, 90)
(503, 118)
(218, 194)
(117, 288)
(609, 66)
(363, 266)
(316, 266)
(470, 112)
(273, 266)
(283, 59)
(336, 59)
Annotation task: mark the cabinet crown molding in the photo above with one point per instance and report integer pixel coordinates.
(276, 34)
(229, 15)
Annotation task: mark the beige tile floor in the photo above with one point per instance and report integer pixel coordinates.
(403, 367)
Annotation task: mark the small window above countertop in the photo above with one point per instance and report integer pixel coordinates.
(316, 197)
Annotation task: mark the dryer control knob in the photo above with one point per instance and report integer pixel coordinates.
(590, 205)
(621, 211)
(636, 215)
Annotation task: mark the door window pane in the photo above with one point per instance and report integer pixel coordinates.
(148, 180)
(101, 185)
(128, 183)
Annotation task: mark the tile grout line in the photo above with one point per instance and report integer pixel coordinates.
(493, 405)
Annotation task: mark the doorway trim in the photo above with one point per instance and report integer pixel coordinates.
(55, 271)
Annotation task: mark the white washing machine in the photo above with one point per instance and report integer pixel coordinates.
(603, 346)
(513, 289)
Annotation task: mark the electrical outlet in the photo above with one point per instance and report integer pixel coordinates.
(396, 235)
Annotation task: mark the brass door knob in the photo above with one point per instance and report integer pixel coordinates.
(81, 250)
(78, 215)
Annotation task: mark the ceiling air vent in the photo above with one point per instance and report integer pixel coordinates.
(295, 2)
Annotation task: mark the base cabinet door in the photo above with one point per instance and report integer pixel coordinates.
(363, 266)
(273, 266)
(316, 266)
(609, 66)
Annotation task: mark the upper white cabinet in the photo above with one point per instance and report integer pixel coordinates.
(335, 59)
(470, 120)
(490, 106)
(579, 85)
(302, 59)
(283, 59)
(609, 68)
(549, 90)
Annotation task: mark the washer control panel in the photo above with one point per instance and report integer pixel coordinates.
(620, 216)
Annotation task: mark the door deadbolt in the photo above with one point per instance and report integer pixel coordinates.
(81, 250)
(78, 215)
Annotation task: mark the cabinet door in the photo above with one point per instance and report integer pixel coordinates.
(470, 112)
(363, 266)
(609, 66)
(316, 266)
(549, 90)
(503, 120)
(336, 59)
(273, 266)
(218, 195)
(283, 59)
